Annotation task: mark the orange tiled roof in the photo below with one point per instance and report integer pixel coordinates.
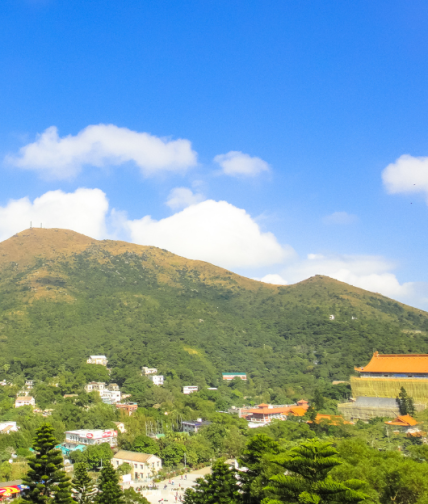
(396, 363)
(334, 419)
(298, 410)
(269, 411)
(403, 421)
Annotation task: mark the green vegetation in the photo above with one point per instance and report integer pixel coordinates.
(46, 481)
(109, 491)
(220, 487)
(405, 403)
(143, 306)
(82, 484)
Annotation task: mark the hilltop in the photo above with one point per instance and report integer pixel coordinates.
(64, 295)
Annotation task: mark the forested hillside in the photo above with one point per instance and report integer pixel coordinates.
(64, 296)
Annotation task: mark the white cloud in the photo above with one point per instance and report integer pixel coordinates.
(212, 231)
(340, 218)
(273, 279)
(83, 211)
(407, 175)
(237, 164)
(182, 197)
(101, 145)
(373, 273)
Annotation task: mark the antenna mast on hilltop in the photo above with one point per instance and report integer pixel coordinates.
(31, 224)
(41, 225)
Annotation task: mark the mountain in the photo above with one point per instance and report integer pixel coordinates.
(64, 296)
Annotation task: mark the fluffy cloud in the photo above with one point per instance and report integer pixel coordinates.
(213, 231)
(273, 279)
(101, 145)
(84, 211)
(182, 197)
(340, 218)
(237, 164)
(373, 273)
(407, 175)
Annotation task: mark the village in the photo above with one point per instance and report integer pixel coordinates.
(374, 393)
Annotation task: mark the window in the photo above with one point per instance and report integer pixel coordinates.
(135, 465)
(117, 462)
(141, 466)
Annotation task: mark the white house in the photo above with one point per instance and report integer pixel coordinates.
(89, 437)
(189, 389)
(148, 370)
(97, 359)
(193, 425)
(95, 386)
(8, 427)
(156, 379)
(120, 426)
(24, 401)
(144, 465)
(29, 384)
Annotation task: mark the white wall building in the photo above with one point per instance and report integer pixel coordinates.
(95, 386)
(156, 379)
(148, 370)
(144, 466)
(24, 401)
(189, 389)
(8, 427)
(89, 437)
(97, 359)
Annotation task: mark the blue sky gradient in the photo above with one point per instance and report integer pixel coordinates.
(327, 93)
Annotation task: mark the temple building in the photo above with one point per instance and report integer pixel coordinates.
(379, 382)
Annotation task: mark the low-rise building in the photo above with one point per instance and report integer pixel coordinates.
(29, 384)
(24, 401)
(189, 389)
(97, 359)
(144, 466)
(8, 427)
(129, 408)
(404, 423)
(231, 376)
(265, 413)
(95, 386)
(193, 426)
(148, 371)
(89, 437)
(156, 379)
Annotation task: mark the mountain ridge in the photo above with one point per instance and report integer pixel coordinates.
(64, 296)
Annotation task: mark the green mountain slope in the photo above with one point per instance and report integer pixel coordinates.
(64, 296)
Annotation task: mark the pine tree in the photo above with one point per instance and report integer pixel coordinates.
(46, 481)
(83, 485)
(255, 458)
(109, 491)
(405, 403)
(306, 478)
(220, 487)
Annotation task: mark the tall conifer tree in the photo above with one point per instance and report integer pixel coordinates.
(83, 485)
(306, 478)
(47, 482)
(220, 487)
(109, 491)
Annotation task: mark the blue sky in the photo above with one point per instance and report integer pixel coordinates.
(265, 137)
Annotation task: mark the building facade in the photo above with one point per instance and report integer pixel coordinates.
(379, 383)
(144, 466)
(90, 437)
(189, 389)
(193, 426)
(129, 408)
(156, 379)
(97, 359)
(148, 371)
(8, 427)
(24, 401)
(231, 376)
